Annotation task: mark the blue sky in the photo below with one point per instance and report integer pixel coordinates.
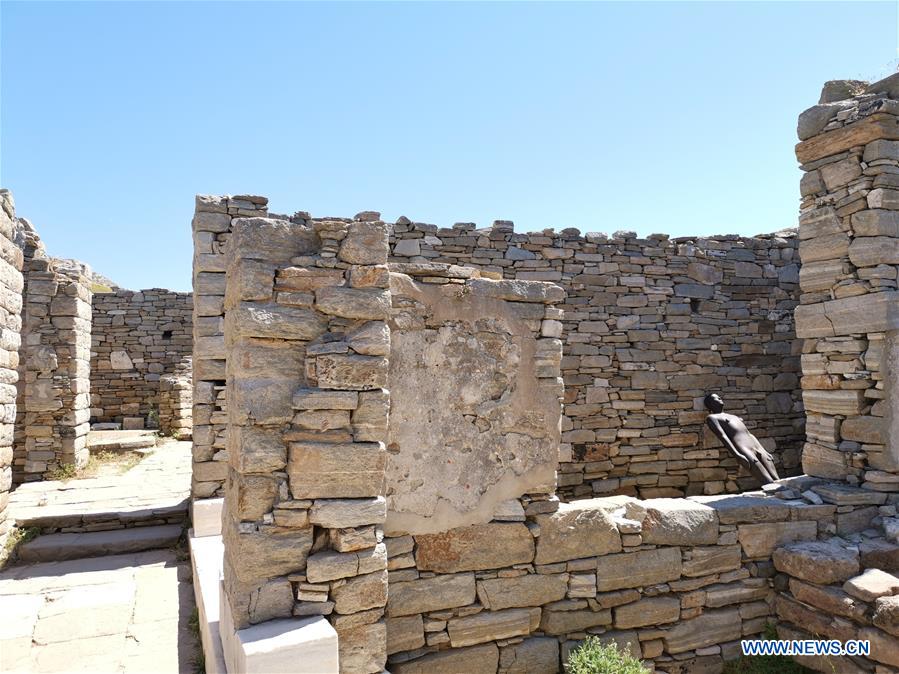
(655, 117)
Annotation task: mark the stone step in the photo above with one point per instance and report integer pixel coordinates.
(102, 515)
(60, 547)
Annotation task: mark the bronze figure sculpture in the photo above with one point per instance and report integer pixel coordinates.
(747, 449)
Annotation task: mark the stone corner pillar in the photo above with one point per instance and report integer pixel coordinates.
(849, 307)
(306, 347)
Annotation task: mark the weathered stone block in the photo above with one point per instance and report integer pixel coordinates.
(358, 303)
(817, 562)
(576, 530)
(365, 243)
(529, 590)
(361, 593)
(340, 470)
(405, 634)
(679, 522)
(489, 626)
(483, 658)
(360, 373)
(708, 629)
(431, 594)
(848, 403)
(650, 611)
(537, 655)
(344, 513)
(638, 569)
(759, 540)
(480, 546)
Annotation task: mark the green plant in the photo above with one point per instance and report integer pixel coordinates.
(65, 471)
(153, 418)
(595, 657)
(199, 660)
(17, 536)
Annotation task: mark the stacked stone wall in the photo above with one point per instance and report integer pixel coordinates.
(649, 327)
(138, 337)
(211, 227)
(176, 403)
(53, 411)
(11, 284)
(849, 312)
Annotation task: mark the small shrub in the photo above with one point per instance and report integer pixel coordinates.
(65, 471)
(594, 657)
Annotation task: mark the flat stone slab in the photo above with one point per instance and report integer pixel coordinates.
(120, 441)
(817, 562)
(60, 547)
(872, 584)
(157, 490)
(843, 494)
(124, 613)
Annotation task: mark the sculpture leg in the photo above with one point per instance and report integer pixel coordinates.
(768, 462)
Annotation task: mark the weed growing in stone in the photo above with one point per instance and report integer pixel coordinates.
(594, 657)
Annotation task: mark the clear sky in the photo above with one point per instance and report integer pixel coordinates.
(654, 117)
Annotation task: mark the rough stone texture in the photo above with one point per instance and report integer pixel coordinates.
(817, 562)
(53, 411)
(679, 522)
(482, 658)
(137, 339)
(640, 318)
(481, 546)
(11, 284)
(478, 370)
(638, 569)
(176, 402)
(847, 311)
(576, 530)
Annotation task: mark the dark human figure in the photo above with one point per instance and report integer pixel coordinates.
(731, 430)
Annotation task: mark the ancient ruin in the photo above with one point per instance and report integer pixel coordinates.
(425, 449)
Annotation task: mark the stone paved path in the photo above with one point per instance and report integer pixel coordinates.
(158, 486)
(124, 613)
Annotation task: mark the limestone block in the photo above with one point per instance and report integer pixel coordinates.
(817, 562)
(489, 626)
(709, 628)
(848, 403)
(358, 303)
(529, 590)
(713, 559)
(814, 621)
(759, 540)
(266, 552)
(816, 276)
(329, 565)
(362, 648)
(740, 509)
(638, 569)
(840, 173)
(829, 599)
(337, 470)
(253, 449)
(876, 222)
(273, 321)
(872, 584)
(476, 547)
(339, 513)
(874, 312)
(828, 247)
(325, 399)
(563, 622)
(361, 593)
(821, 461)
(886, 614)
(870, 251)
(361, 373)
(270, 240)
(650, 611)
(365, 243)
(576, 530)
(119, 360)
(482, 658)
(308, 279)
(819, 222)
(405, 634)
(370, 339)
(866, 430)
(518, 291)
(679, 522)
(431, 594)
(537, 655)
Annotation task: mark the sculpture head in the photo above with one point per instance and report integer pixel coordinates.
(713, 403)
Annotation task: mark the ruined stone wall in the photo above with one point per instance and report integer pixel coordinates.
(649, 326)
(138, 336)
(211, 230)
(11, 284)
(849, 312)
(53, 410)
(176, 402)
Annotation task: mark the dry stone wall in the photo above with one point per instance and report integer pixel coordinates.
(176, 403)
(138, 337)
(849, 311)
(649, 326)
(11, 284)
(211, 230)
(53, 411)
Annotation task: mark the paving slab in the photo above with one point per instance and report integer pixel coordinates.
(59, 547)
(121, 613)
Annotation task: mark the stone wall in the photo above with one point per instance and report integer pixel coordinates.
(138, 336)
(849, 312)
(53, 410)
(211, 230)
(176, 403)
(650, 326)
(11, 284)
